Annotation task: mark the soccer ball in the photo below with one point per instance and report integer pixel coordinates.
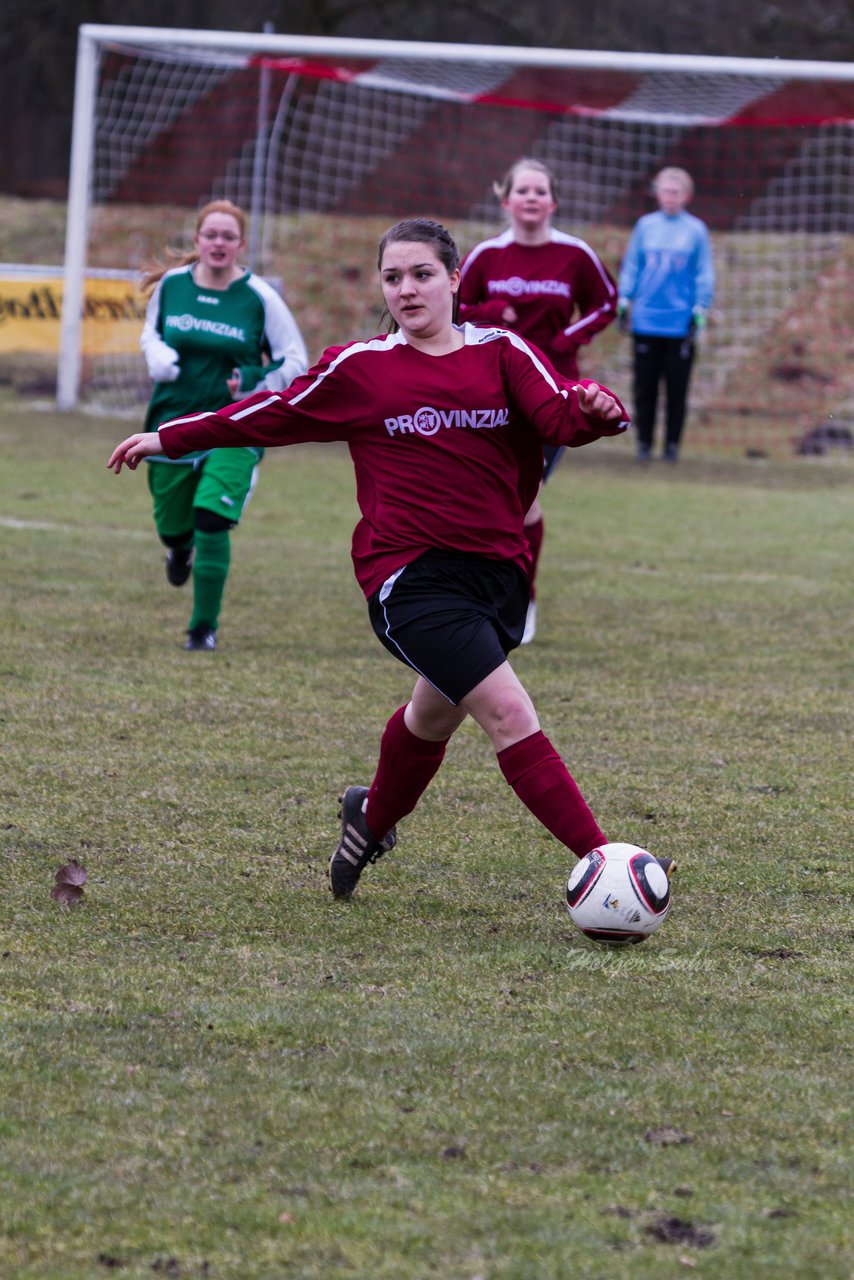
(618, 895)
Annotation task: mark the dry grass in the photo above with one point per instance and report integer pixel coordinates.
(210, 1070)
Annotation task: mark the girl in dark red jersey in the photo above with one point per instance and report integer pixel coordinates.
(547, 286)
(446, 425)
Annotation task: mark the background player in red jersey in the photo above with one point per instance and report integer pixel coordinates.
(446, 425)
(548, 286)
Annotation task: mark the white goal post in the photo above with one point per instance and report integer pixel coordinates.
(325, 140)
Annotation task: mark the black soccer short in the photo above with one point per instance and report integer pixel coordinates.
(452, 616)
(552, 454)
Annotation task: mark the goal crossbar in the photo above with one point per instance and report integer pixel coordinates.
(351, 47)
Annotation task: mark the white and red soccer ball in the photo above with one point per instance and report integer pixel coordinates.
(618, 894)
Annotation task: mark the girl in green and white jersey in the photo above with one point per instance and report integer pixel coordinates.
(214, 332)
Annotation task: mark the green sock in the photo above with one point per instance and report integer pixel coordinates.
(210, 570)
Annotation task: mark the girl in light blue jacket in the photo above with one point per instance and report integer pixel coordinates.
(666, 287)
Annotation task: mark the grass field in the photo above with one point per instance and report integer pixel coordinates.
(209, 1069)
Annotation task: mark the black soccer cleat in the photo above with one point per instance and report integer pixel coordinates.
(179, 565)
(358, 845)
(668, 866)
(201, 638)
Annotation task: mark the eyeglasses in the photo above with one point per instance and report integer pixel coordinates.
(228, 237)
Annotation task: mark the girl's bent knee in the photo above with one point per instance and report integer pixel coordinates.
(511, 720)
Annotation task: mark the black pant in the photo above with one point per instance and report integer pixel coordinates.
(657, 358)
(453, 616)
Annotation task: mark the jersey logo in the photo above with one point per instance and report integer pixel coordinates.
(204, 297)
(516, 287)
(427, 421)
(195, 324)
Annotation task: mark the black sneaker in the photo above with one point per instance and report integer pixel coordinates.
(201, 638)
(668, 866)
(179, 565)
(358, 845)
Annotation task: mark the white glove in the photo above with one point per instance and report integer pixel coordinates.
(162, 361)
(165, 365)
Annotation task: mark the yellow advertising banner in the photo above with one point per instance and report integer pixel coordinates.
(31, 308)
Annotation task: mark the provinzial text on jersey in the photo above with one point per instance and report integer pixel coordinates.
(187, 324)
(427, 421)
(516, 287)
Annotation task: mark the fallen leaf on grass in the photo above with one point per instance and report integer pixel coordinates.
(679, 1231)
(70, 879)
(667, 1136)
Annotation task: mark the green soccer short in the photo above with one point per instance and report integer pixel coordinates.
(221, 481)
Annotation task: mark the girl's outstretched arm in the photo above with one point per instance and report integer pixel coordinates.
(142, 445)
(597, 402)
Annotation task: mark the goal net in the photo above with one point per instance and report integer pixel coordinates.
(325, 142)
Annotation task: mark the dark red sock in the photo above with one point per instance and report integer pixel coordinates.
(534, 533)
(406, 766)
(543, 783)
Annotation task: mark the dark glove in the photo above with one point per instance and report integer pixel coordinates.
(698, 322)
(252, 374)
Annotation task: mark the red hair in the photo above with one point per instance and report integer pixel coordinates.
(157, 270)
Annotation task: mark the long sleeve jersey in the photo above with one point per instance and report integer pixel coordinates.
(667, 273)
(447, 450)
(194, 338)
(562, 293)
